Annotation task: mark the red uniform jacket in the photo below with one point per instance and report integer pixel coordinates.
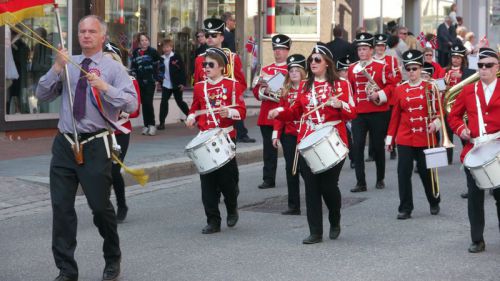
(395, 73)
(219, 94)
(453, 80)
(126, 122)
(267, 105)
(408, 121)
(381, 74)
(307, 101)
(292, 127)
(466, 103)
(438, 71)
(199, 72)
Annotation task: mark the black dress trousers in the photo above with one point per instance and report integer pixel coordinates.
(289, 143)
(95, 178)
(270, 154)
(321, 186)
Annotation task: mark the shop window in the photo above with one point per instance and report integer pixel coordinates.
(382, 15)
(26, 61)
(494, 24)
(433, 13)
(292, 17)
(215, 8)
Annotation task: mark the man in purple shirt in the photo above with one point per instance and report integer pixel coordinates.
(115, 90)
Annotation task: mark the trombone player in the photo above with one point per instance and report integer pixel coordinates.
(487, 90)
(413, 125)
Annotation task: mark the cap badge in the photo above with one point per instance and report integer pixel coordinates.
(292, 59)
(277, 40)
(362, 37)
(410, 55)
(347, 61)
(380, 38)
(209, 25)
(456, 48)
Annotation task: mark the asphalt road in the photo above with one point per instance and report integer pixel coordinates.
(161, 239)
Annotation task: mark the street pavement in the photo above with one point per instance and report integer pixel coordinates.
(161, 238)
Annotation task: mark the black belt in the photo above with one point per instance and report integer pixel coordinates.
(84, 136)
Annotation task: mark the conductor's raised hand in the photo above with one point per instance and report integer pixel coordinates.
(96, 82)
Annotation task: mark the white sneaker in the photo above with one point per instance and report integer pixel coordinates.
(145, 130)
(152, 130)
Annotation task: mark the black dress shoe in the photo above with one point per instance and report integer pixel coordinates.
(210, 228)
(121, 214)
(369, 159)
(380, 185)
(404, 216)
(161, 127)
(266, 185)
(477, 247)
(464, 195)
(111, 271)
(334, 232)
(312, 239)
(359, 188)
(232, 218)
(246, 140)
(63, 277)
(291, 212)
(435, 210)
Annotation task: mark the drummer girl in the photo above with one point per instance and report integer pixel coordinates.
(322, 87)
(216, 94)
(286, 132)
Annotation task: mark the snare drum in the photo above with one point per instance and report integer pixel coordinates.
(483, 162)
(211, 150)
(323, 149)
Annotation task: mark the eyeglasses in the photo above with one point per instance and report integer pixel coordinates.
(428, 55)
(403, 33)
(410, 69)
(315, 59)
(487, 65)
(213, 35)
(208, 64)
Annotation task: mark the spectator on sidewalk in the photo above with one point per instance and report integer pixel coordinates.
(174, 81)
(402, 46)
(229, 40)
(453, 14)
(446, 35)
(147, 67)
(339, 47)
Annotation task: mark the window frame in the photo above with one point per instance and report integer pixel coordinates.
(313, 36)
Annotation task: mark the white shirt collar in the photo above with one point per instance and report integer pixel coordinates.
(216, 81)
(488, 90)
(319, 79)
(169, 56)
(280, 64)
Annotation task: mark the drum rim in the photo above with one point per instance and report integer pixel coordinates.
(468, 155)
(316, 143)
(187, 148)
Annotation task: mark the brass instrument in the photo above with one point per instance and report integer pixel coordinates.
(371, 86)
(452, 93)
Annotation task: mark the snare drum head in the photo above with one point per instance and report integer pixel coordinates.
(481, 154)
(315, 137)
(202, 138)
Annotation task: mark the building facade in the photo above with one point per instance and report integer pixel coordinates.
(305, 21)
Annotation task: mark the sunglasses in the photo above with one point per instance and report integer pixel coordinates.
(213, 35)
(410, 69)
(315, 59)
(208, 64)
(487, 65)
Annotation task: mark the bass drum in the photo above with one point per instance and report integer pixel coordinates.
(483, 162)
(323, 149)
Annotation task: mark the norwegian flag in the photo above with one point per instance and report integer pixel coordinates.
(434, 43)
(251, 45)
(421, 39)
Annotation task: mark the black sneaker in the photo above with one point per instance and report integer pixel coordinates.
(246, 140)
(210, 228)
(121, 214)
(359, 188)
(404, 216)
(161, 127)
(266, 185)
(313, 239)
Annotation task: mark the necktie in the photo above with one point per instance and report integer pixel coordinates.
(81, 92)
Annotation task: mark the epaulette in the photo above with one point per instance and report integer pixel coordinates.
(230, 79)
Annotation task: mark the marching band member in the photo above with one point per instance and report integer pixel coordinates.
(281, 47)
(487, 91)
(412, 130)
(217, 90)
(372, 105)
(427, 72)
(323, 86)
(286, 132)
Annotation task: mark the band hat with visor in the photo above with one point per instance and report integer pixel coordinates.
(458, 50)
(412, 57)
(364, 39)
(218, 52)
(381, 39)
(321, 48)
(487, 53)
(343, 63)
(428, 69)
(213, 26)
(281, 41)
(296, 60)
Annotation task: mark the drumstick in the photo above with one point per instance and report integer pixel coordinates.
(204, 111)
(320, 106)
(296, 156)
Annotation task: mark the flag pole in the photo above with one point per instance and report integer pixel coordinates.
(68, 84)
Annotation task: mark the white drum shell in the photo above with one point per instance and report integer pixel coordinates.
(436, 157)
(323, 149)
(483, 162)
(210, 150)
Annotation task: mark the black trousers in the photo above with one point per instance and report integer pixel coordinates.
(147, 94)
(165, 96)
(224, 180)
(324, 185)
(475, 207)
(95, 178)
(375, 124)
(289, 143)
(241, 130)
(118, 183)
(408, 154)
(349, 142)
(270, 154)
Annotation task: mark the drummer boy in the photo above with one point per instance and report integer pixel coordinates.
(217, 103)
(486, 92)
